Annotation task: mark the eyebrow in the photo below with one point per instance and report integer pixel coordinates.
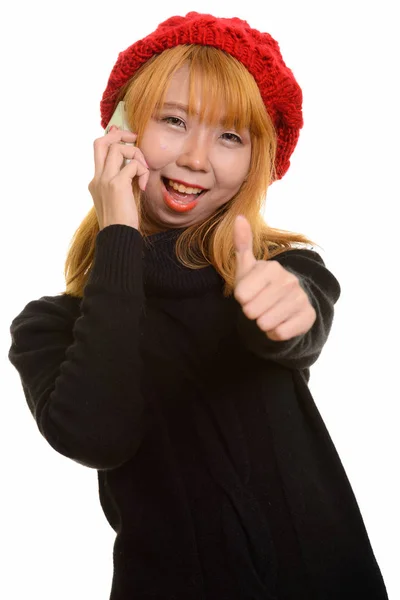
(183, 107)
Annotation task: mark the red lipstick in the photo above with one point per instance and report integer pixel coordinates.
(175, 205)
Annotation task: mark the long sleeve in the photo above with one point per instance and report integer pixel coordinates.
(323, 290)
(79, 361)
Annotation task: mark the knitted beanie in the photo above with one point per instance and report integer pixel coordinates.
(258, 52)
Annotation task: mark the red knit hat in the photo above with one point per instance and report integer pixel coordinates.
(258, 52)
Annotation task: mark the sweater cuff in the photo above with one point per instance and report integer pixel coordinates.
(117, 263)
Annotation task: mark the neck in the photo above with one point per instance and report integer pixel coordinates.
(165, 275)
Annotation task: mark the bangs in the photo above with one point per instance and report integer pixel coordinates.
(225, 88)
(228, 93)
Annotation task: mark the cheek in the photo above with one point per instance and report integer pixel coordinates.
(160, 149)
(157, 154)
(232, 174)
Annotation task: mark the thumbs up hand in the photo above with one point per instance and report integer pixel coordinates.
(268, 292)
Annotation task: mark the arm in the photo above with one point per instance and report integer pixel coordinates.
(323, 290)
(79, 362)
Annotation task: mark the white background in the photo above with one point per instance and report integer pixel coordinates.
(341, 190)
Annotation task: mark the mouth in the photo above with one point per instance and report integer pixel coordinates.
(178, 197)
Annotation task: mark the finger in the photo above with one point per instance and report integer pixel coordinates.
(296, 322)
(143, 179)
(138, 156)
(292, 327)
(136, 169)
(283, 310)
(102, 145)
(114, 162)
(243, 244)
(264, 296)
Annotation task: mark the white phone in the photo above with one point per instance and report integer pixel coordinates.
(119, 120)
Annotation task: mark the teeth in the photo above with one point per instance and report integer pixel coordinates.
(181, 188)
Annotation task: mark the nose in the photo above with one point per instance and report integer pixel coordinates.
(195, 153)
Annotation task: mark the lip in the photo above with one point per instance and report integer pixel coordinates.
(176, 207)
(192, 185)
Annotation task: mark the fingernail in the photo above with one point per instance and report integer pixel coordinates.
(113, 127)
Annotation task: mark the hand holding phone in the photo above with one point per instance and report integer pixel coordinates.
(117, 163)
(119, 120)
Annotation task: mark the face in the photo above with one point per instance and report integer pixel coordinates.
(182, 151)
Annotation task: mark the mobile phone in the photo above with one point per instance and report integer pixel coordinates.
(119, 119)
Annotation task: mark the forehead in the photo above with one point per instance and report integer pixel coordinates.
(177, 94)
(178, 88)
(181, 77)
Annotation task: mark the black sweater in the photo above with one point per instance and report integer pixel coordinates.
(215, 467)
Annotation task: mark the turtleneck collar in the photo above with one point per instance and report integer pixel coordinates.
(164, 275)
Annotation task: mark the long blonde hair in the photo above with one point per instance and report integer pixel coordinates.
(228, 84)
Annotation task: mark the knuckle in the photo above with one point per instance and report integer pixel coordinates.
(102, 186)
(114, 146)
(274, 264)
(113, 185)
(92, 186)
(291, 281)
(280, 334)
(238, 293)
(249, 312)
(302, 299)
(243, 298)
(262, 323)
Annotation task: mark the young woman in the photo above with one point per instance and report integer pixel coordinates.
(177, 360)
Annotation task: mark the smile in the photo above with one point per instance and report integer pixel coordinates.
(179, 198)
(183, 186)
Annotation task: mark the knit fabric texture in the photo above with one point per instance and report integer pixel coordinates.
(257, 51)
(215, 468)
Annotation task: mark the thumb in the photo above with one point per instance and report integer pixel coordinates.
(243, 243)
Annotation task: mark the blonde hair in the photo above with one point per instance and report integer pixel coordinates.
(230, 85)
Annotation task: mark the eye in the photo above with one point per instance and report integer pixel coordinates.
(235, 138)
(173, 120)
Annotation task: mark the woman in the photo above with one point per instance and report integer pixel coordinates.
(177, 360)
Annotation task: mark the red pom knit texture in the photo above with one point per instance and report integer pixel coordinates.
(257, 51)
